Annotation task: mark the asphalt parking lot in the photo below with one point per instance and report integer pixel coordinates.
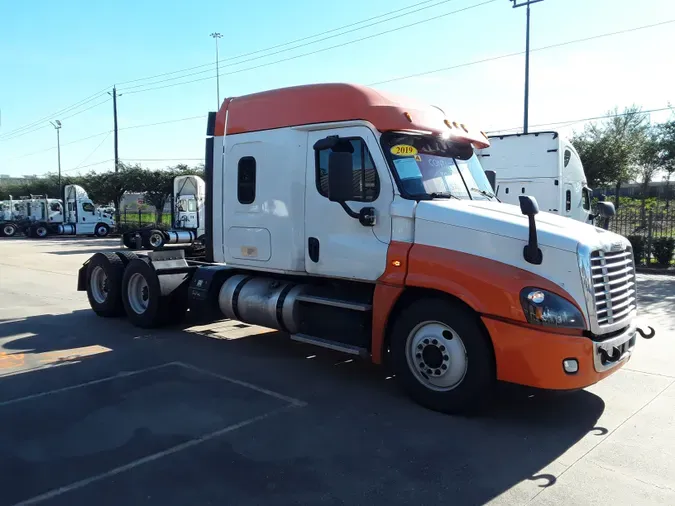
(95, 411)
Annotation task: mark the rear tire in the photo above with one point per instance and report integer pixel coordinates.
(142, 296)
(126, 256)
(102, 230)
(154, 240)
(104, 280)
(129, 240)
(40, 231)
(442, 356)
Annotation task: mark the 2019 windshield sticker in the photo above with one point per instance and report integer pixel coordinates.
(403, 150)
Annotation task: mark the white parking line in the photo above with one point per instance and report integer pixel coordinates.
(80, 385)
(193, 442)
(291, 400)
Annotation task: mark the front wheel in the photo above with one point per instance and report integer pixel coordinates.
(442, 356)
(9, 230)
(102, 230)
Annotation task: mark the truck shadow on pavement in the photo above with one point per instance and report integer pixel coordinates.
(356, 438)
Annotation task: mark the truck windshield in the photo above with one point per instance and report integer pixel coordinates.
(428, 166)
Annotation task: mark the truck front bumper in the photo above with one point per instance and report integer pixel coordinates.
(538, 358)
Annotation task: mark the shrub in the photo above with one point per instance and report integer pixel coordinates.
(639, 244)
(663, 248)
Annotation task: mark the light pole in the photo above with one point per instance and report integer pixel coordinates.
(217, 36)
(526, 3)
(57, 125)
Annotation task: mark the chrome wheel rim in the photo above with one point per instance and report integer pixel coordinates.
(8, 230)
(155, 240)
(436, 356)
(99, 285)
(102, 231)
(41, 231)
(138, 293)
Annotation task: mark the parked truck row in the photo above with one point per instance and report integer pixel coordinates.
(365, 223)
(39, 216)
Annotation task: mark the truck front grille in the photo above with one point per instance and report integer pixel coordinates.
(613, 278)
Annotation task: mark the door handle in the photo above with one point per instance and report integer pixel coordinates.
(313, 249)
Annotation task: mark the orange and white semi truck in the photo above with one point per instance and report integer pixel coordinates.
(363, 222)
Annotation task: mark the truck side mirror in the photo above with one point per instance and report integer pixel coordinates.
(530, 208)
(340, 177)
(492, 178)
(528, 205)
(605, 209)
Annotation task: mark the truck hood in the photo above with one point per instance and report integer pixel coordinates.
(506, 220)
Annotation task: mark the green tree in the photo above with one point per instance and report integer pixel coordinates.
(666, 139)
(648, 164)
(157, 186)
(110, 186)
(610, 149)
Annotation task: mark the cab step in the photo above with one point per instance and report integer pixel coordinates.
(327, 301)
(331, 345)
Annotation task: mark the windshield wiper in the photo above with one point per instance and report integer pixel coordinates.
(443, 195)
(483, 192)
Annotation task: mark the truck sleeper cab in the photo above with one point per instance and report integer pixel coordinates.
(364, 223)
(542, 164)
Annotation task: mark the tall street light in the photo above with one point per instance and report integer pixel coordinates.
(526, 3)
(217, 36)
(57, 125)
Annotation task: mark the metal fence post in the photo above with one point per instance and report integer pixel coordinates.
(650, 222)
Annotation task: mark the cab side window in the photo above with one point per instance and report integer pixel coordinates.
(365, 182)
(88, 207)
(246, 175)
(55, 206)
(586, 202)
(567, 156)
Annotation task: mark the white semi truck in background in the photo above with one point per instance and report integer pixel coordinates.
(544, 165)
(39, 216)
(364, 223)
(187, 219)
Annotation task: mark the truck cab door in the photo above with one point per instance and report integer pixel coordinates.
(336, 244)
(87, 217)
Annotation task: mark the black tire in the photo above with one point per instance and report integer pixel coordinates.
(129, 240)
(39, 231)
(477, 384)
(155, 313)
(126, 256)
(8, 230)
(113, 268)
(154, 239)
(102, 230)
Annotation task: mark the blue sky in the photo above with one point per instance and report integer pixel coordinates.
(55, 54)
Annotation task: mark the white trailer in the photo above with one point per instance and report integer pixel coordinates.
(364, 223)
(544, 165)
(187, 219)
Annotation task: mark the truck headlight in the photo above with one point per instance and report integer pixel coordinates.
(542, 307)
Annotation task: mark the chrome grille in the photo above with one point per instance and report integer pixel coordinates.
(613, 278)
